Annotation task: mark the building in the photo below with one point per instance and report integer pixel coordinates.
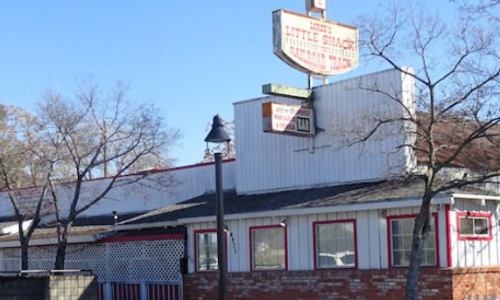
(307, 218)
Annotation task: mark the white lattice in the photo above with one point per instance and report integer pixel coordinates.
(136, 261)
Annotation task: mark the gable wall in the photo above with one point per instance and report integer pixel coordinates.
(268, 161)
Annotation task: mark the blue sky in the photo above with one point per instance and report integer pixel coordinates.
(191, 60)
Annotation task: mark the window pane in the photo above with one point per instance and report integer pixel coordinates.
(466, 226)
(397, 227)
(408, 239)
(430, 257)
(430, 242)
(268, 248)
(406, 258)
(335, 244)
(481, 226)
(408, 225)
(397, 243)
(207, 251)
(397, 257)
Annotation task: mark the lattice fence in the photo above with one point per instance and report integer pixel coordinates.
(151, 261)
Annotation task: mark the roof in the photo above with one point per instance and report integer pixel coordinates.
(482, 154)
(204, 205)
(85, 226)
(48, 233)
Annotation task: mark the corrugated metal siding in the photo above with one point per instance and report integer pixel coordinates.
(272, 161)
(371, 231)
(149, 194)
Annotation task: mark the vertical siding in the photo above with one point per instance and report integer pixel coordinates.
(475, 253)
(269, 161)
(371, 238)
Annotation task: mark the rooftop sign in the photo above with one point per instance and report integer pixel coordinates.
(288, 119)
(286, 91)
(314, 46)
(316, 5)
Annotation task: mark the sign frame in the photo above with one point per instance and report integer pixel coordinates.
(303, 125)
(326, 48)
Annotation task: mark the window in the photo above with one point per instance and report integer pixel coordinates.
(401, 238)
(268, 248)
(473, 226)
(335, 244)
(206, 250)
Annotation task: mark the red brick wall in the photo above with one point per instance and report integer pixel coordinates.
(435, 284)
(476, 282)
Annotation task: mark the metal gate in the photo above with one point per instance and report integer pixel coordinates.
(140, 291)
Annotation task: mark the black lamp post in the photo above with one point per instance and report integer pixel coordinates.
(218, 135)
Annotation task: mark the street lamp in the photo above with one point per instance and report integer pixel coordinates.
(218, 135)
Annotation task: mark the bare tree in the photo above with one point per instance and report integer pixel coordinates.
(457, 69)
(98, 134)
(25, 169)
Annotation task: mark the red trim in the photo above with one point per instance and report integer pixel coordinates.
(196, 232)
(353, 221)
(146, 172)
(252, 228)
(474, 214)
(154, 171)
(389, 237)
(448, 236)
(170, 236)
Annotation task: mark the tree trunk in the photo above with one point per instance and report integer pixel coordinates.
(61, 255)
(420, 233)
(61, 249)
(24, 255)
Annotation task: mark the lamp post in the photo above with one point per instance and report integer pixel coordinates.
(218, 135)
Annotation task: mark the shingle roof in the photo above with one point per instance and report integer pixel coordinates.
(46, 233)
(81, 227)
(307, 198)
(482, 154)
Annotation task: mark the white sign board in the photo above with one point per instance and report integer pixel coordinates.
(316, 5)
(314, 46)
(288, 119)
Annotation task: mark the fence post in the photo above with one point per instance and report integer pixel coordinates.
(108, 293)
(144, 291)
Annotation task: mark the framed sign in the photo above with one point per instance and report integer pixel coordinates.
(288, 119)
(314, 46)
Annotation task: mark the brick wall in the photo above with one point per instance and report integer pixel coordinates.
(435, 284)
(476, 282)
(74, 287)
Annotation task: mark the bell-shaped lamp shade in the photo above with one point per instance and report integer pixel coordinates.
(217, 134)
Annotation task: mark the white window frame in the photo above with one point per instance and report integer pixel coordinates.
(318, 239)
(433, 234)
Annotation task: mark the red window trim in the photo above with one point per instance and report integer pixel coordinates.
(389, 238)
(251, 229)
(195, 233)
(353, 221)
(474, 214)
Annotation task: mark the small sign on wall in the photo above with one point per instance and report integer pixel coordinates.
(288, 119)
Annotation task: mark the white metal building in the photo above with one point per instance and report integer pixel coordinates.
(291, 204)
